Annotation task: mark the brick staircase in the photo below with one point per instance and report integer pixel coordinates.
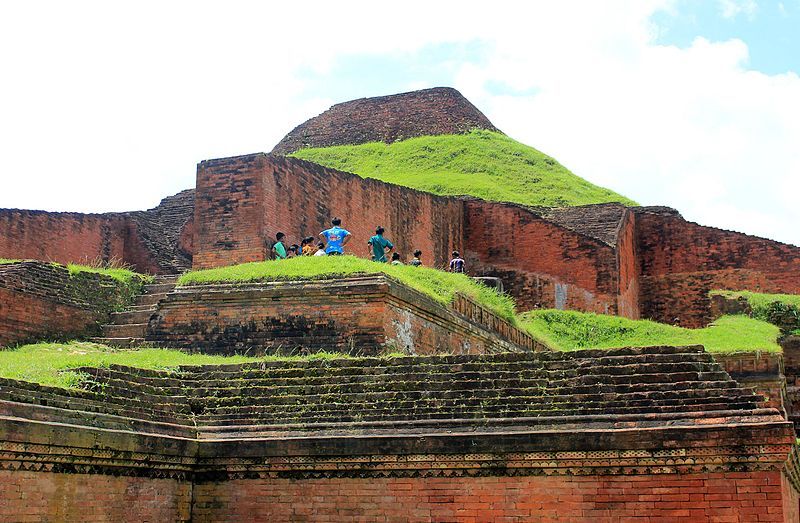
(128, 328)
(605, 389)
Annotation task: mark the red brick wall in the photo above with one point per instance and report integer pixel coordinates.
(680, 261)
(28, 317)
(86, 498)
(540, 263)
(720, 497)
(243, 202)
(441, 110)
(628, 299)
(61, 237)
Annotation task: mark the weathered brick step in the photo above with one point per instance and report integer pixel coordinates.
(499, 411)
(132, 330)
(488, 376)
(141, 308)
(219, 402)
(158, 288)
(128, 316)
(670, 397)
(98, 406)
(149, 299)
(566, 359)
(454, 407)
(465, 371)
(105, 420)
(314, 398)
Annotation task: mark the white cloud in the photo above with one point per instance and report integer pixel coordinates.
(733, 8)
(110, 106)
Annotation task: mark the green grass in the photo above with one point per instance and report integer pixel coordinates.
(481, 163)
(570, 330)
(51, 363)
(6, 260)
(439, 285)
(125, 276)
(761, 302)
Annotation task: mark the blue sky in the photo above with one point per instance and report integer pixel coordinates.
(693, 104)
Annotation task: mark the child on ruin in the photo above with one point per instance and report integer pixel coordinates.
(416, 261)
(307, 246)
(396, 259)
(278, 248)
(320, 250)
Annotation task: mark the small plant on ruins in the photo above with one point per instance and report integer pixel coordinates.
(6, 260)
(439, 285)
(481, 163)
(113, 268)
(571, 330)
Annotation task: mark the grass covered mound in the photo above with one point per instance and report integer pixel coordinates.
(570, 330)
(484, 164)
(782, 309)
(439, 285)
(125, 276)
(51, 363)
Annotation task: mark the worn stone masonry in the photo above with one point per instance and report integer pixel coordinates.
(590, 435)
(44, 301)
(360, 315)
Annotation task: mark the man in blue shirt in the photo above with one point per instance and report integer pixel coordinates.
(378, 245)
(336, 238)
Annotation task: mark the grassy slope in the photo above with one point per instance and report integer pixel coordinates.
(484, 164)
(760, 302)
(439, 285)
(50, 363)
(570, 330)
(124, 275)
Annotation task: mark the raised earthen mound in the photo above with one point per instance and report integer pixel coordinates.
(441, 110)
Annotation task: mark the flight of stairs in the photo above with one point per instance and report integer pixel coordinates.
(128, 328)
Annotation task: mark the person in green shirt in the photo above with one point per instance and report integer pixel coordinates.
(279, 249)
(378, 245)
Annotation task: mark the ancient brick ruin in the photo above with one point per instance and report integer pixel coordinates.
(479, 422)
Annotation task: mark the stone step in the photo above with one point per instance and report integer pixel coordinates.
(149, 299)
(128, 316)
(126, 330)
(454, 406)
(294, 369)
(159, 288)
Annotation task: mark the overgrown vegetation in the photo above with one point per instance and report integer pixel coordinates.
(570, 330)
(481, 163)
(782, 310)
(6, 260)
(439, 285)
(51, 363)
(123, 275)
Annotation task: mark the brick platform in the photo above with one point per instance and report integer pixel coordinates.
(590, 435)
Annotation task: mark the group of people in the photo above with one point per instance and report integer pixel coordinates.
(335, 238)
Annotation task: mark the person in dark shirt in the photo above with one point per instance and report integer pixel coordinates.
(457, 263)
(396, 259)
(416, 261)
(378, 245)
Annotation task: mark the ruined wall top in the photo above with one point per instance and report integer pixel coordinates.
(441, 110)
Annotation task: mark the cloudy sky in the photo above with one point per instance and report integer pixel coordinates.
(693, 104)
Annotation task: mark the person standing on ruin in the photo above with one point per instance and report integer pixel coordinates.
(416, 261)
(379, 246)
(279, 249)
(457, 264)
(336, 238)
